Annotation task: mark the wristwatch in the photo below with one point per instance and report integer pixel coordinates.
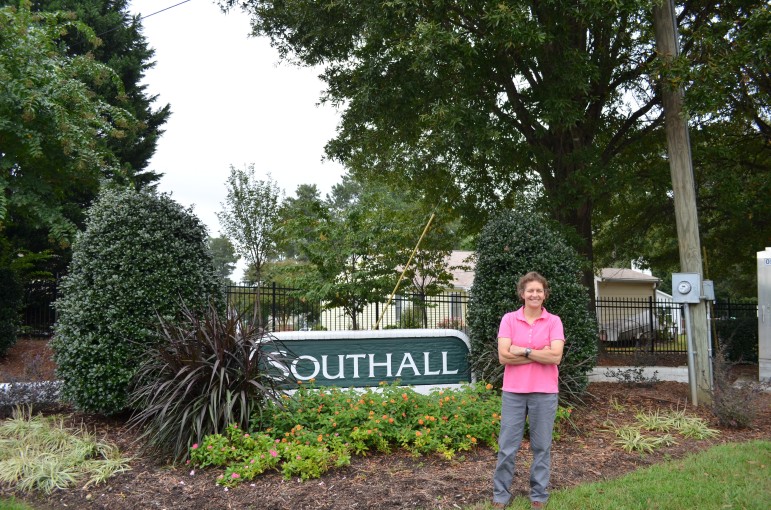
(527, 352)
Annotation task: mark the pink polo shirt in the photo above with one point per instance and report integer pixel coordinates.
(532, 377)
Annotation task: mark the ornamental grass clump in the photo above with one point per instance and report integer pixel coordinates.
(208, 371)
(41, 453)
(638, 437)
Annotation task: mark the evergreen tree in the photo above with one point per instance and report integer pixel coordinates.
(125, 50)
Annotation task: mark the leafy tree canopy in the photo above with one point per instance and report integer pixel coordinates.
(52, 127)
(358, 240)
(122, 47)
(471, 101)
(223, 256)
(732, 170)
(249, 218)
(72, 113)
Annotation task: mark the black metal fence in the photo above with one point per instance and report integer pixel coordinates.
(625, 325)
(38, 313)
(286, 309)
(658, 326)
(735, 329)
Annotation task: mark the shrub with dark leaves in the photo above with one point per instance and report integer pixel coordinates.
(735, 404)
(206, 373)
(508, 247)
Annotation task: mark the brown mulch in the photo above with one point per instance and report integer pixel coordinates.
(398, 480)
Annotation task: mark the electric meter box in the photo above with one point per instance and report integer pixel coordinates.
(686, 287)
(708, 290)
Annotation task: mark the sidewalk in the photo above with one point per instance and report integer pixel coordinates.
(676, 374)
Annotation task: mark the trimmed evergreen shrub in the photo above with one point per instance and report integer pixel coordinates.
(508, 247)
(140, 257)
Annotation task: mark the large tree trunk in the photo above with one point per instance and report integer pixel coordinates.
(566, 186)
(580, 219)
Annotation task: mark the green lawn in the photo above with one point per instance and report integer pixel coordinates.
(731, 476)
(12, 504)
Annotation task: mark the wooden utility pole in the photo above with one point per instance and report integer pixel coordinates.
(686, 216)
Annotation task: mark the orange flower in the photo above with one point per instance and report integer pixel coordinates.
(489, 386)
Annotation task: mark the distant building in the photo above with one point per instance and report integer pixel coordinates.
(613, 282)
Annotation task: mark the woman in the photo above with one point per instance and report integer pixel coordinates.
(530, 344)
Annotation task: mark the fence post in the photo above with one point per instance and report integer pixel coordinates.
(273, 305)
(650, 321)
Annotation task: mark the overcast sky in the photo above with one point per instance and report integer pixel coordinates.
(232, 104)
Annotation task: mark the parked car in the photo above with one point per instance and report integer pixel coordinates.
(630, 330)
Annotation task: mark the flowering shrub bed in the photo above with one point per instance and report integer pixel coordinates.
(317, 429)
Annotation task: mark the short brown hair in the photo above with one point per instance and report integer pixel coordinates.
(533, 276)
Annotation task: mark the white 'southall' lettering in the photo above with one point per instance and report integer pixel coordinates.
(411, 364)
(316, 368)
(427, 371)
(356, 358)
(386, 363)
(445, 370)
(341, 364)
(407, 364)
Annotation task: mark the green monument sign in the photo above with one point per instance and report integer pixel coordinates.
(414, 357)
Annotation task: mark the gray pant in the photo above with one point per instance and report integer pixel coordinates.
(540, 409)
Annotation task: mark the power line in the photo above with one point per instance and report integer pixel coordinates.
(145, 17)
